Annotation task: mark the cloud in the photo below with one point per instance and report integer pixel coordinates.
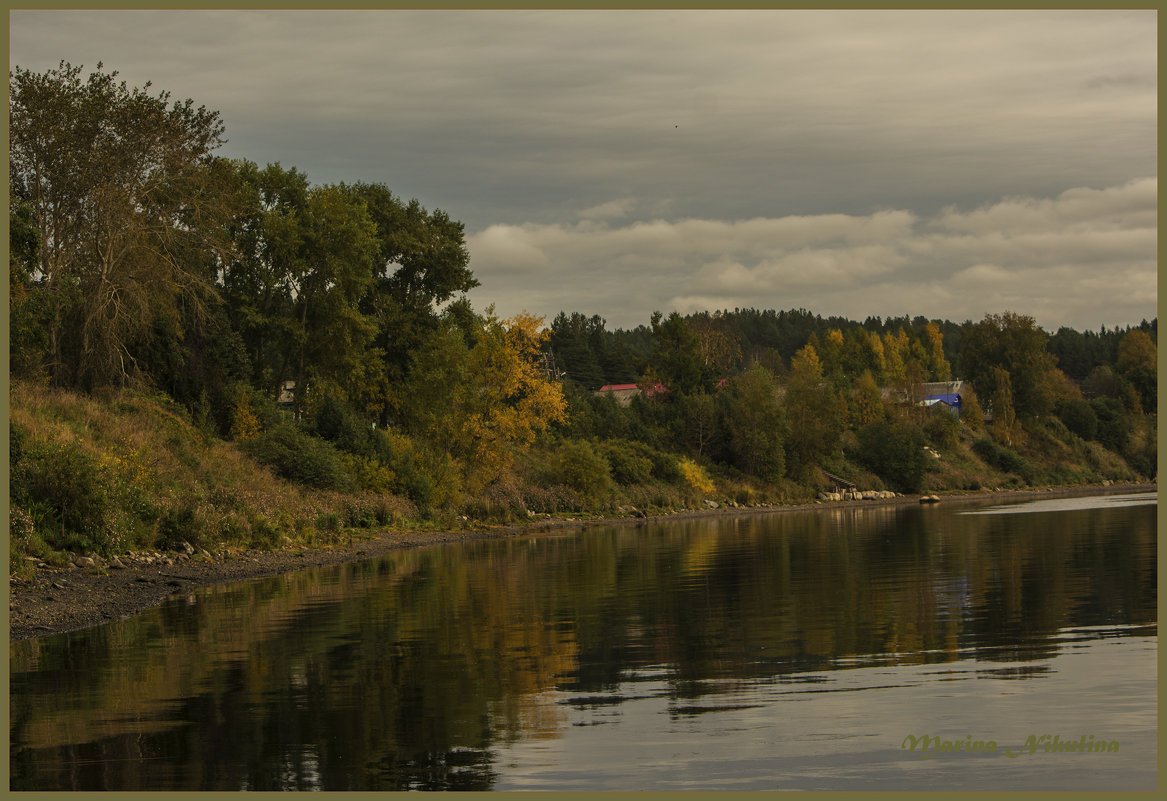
(608, 210)
(512, 116)
(853, 162)
(1061, 259)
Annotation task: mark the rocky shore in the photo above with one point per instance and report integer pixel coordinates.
(94, 591)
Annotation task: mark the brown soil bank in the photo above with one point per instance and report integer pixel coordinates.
(55, 600)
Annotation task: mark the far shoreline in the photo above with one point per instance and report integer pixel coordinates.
(59, 600)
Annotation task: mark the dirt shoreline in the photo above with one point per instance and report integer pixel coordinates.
(57, 600)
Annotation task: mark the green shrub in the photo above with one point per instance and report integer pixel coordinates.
(1078, 416)
(369, 475)
(1114, 426)
(664, 465)
(349, 432)
(1004, 459)
(359, 514)
(299, 457)
(577, 465)
(328, 522)
(67, 495)
(894, 450)
(264, 534)
(943, 429)
(628, 463)
(183, 523)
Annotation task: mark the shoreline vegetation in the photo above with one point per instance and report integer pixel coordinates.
(213, 359)
(60, 598)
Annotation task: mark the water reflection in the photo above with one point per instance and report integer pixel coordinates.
(473, 667)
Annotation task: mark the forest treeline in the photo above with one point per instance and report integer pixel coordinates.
(326, 332)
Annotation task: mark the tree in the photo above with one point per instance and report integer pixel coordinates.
(28, 321)
(573, 342)
(1079, 417)
(128, 215)
(937, 363)
(421, 263)
(862, 353)
(268, 233)
(698, 421)
(481, 404)
(718, 345)
(1006, 428)
(329, 274)
(895, 358)
(813, 417)
(868, 402)
(1138, 362)
(676, 360)
(971, 412)
(755, 423)
(1015, 344)
(894, 450)
(1104, 382)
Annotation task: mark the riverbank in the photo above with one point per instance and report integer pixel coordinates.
(60, 599)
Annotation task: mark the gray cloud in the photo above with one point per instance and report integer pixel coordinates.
(1065, 260)
(851, 161)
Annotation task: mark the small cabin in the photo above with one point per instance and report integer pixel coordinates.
(942, 394)
(624, 393)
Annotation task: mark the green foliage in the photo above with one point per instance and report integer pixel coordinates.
(894, 450)
(577, 465)
(1142, 451)
(299, 457)
(756, 423)
(126, 207)
(813, 414)
(628, 462)
(66, 493)
(1103, 382)
(676, 360)
(943, 429)
(1114, 426)
(369, 475)
(1003, 458)
(338, 423)
(1078, 416)
(185, 522)
(1012, 343)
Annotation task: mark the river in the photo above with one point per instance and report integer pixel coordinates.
(963, 646)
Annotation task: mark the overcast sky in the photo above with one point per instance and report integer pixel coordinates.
(943, 163)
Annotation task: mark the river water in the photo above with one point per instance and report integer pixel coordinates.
(962, 646)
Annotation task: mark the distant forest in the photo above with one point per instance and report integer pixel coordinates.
(327, 332)
(592, 356)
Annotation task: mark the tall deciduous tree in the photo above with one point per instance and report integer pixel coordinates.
(421, 263)
(1138, 362)
(937, 363)
(756, 423)
(482, 403)
(812, 412)
(1015, 344)
(127, 213)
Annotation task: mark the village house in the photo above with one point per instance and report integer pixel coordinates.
(624, 393)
